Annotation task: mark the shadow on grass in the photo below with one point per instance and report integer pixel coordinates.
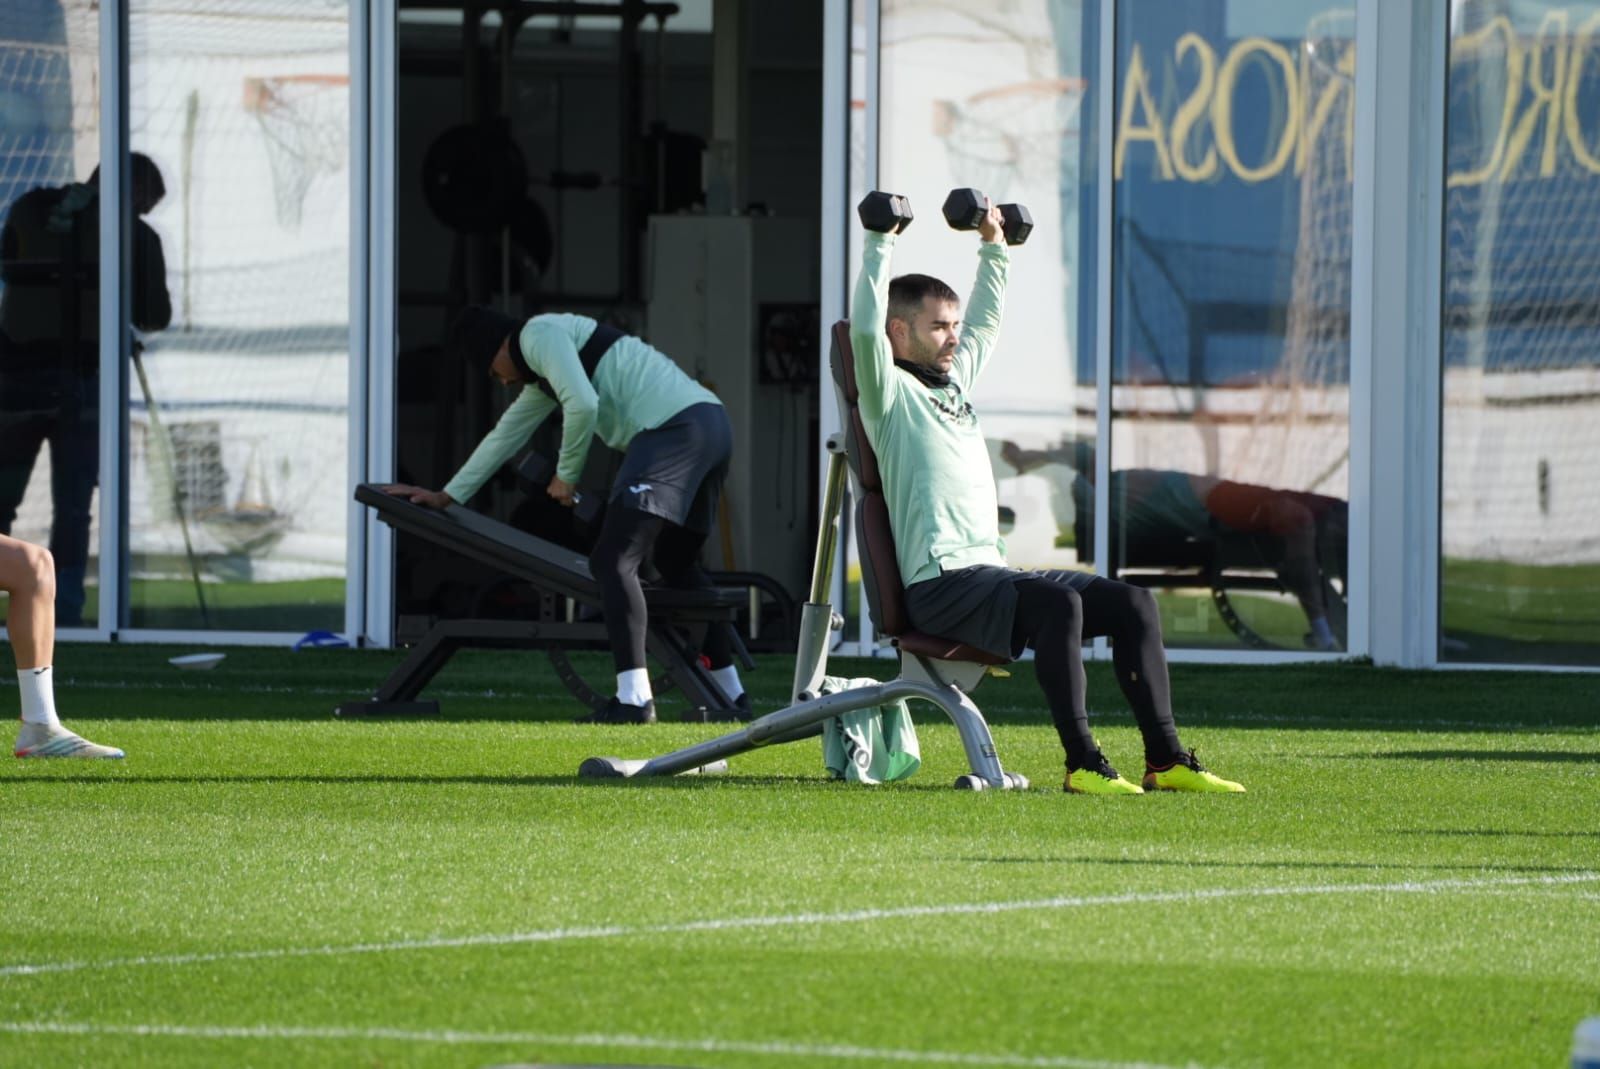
(1354, 866)
(1473, 833)
(1531, 756)
(76, 778)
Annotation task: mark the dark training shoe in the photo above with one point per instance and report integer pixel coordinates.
(740, 711)
(618, 712)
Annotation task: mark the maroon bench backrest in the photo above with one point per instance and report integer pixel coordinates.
(880, 567)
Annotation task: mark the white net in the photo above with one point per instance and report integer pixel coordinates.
(305, 125)
(1010, 138)
(238, 451)
(1522, 251)
(1299, 436)
(49, 136)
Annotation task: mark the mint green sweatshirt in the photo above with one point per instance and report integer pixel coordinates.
(635, 388)
(940, 490)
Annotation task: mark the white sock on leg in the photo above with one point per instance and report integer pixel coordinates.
(38, 696)
(633, 686)
(1322, 634)
(728, 679)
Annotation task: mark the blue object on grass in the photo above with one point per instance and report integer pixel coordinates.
(321, 640)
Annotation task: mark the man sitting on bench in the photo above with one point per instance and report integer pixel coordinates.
(676, 443)
(914, 372)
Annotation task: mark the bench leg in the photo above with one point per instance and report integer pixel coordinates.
(396, 695)
(783, 725)
(682, 662)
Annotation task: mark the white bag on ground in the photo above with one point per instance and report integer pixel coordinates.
(877, 745)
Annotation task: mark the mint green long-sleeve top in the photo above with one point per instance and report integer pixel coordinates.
(940, 490)
(635, 388)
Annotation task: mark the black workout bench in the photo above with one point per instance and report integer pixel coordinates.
(676, 617)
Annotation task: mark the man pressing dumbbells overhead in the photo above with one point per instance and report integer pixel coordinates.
(916, 363)
(676, 443)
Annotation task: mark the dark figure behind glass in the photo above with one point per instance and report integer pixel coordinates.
(50, 352)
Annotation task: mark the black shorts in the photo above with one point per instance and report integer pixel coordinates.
(978, 605)
(676, 470)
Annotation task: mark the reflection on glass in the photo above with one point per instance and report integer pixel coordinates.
(1232, 161)
(854, 604)
(49, 290)
(238, 410)
(1520, 528)
(997, 99)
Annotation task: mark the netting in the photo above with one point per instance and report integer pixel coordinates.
(247, 409)
(1010, 138)
(1299, 426)
(1521, 259)
(243, 107)
(305, 125)
(49, 136)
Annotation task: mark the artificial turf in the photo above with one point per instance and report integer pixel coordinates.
(1413, 880)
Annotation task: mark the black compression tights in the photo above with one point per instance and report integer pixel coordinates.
(1053, 619)
(627, 537)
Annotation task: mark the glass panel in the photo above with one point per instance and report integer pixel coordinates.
(1230, 332)
(1520, 528)
(854, 609)
(998, 100)
(50, 289)
(238, 406)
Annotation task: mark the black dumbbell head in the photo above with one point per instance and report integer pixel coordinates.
(1017, 223)
(964, 209)
(884, 213)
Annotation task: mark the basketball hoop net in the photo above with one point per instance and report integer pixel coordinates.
(305, 122)
(1006, 139)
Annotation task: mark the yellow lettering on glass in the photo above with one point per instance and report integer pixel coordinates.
(1571, 117)
(1186, 121)
(1136, 96)
(1546, 98)
(1462, 48)
(1222, 108)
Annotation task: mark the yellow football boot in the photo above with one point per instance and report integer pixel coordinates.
(1098, 777)
(1186, 773)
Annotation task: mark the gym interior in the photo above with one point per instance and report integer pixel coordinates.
(655, 166)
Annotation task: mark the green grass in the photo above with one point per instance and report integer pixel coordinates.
(1496, 611)
(170, 604)
(1412, 880)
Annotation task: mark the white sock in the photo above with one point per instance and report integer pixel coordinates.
(728, 679)
(38, 696)
(633, 686)
(1323, 634)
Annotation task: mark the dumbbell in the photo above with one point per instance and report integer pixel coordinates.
(963, 210)
(885, 213)
(534, 475)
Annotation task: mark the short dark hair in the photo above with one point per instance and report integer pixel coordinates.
(907, 293)
(478, 332)
(148, 187)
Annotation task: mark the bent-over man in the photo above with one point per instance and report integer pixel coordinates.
(676, 443)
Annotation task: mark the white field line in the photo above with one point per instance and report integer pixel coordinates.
(786, 920)
(539, 1039)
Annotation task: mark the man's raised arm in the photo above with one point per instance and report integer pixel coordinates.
(981, 328)
(869, 310)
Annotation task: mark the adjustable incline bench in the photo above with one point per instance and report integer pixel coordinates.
(675, 616)
(936, 670)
